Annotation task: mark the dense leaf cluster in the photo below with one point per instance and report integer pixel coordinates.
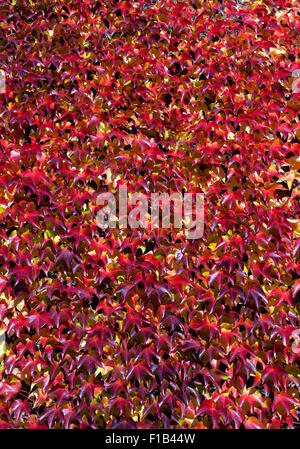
(138, 327)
